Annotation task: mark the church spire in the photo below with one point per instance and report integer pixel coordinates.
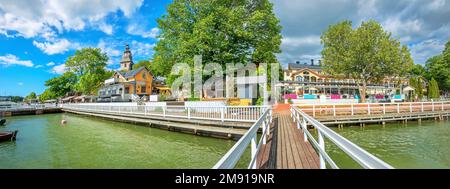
(126, 63)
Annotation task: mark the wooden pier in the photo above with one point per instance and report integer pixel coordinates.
(286, 148)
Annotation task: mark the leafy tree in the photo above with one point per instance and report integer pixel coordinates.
(87, 60)
(143, 63)
(367, 54)
(222, 31)
(433, 89)
(16, 99)
(89, 83)
(89, 66)
(61, 85)
(47, 95)
(31, 96)
(438, 67)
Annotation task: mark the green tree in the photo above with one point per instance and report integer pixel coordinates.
(31, 96)
(62, 84)
(143, 63)
(47, 95)
(87, 60)
(89, 83)
(433, 89)
(89, 66)
(438, 67)
(222, 31)
(366, 54)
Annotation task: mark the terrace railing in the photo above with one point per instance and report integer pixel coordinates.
(374, 108)
(219, 113)
(230, 159)
(362, 157)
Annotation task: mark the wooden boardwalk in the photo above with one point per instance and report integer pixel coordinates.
(285, 148)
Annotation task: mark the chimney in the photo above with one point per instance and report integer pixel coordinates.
(312, 62)
(320, 62)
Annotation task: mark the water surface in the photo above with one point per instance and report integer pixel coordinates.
(87, 142)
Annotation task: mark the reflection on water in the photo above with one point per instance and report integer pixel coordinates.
(414, 145)
(86, 142)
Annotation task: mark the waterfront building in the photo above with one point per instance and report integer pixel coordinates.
(308, 81)
(127, 83)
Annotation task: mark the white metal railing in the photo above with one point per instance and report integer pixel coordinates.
(374, 108)
(362, 157)
(230, 159)
(27, 107)
(220, 113)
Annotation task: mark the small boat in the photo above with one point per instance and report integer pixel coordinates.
(8, 135)
(2, 122)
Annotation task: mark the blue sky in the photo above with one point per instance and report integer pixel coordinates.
(37, 36)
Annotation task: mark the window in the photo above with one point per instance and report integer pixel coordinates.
(143, 89)
(127, 90)
(144, 76)
(299, 78)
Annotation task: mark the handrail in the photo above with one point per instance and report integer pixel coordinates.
(375, 108)
(221, 113)
(229, 160)
(362, 157)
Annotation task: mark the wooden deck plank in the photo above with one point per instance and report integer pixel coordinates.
(291, 151)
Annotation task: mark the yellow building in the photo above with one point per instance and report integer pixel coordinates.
(127, 84)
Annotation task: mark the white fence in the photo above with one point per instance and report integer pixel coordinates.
(373, 108)
(230, 159)
(221, 113)
(362, 157)
(21, 107)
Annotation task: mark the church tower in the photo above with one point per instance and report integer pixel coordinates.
(126, 64)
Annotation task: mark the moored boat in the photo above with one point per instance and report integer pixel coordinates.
(8, 135)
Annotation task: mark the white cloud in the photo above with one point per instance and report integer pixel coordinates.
(10, 59)
(59, 69)
(31, 18)
(106, 28)
(20, 83)
(298, 41)
(138, 29)
(109, 49)
(38, 66)
(53, 47)
(50, 64)
(426, 49)
(141, 49)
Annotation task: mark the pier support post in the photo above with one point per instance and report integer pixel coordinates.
(419, 120)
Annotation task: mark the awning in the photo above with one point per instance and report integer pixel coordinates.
(80, 97)
(67, 98)
(163, 88)
(408, 88)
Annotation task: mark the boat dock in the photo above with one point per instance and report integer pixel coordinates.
(286, 148)
(29, 110)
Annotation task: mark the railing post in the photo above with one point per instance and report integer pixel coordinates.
(164, 111)
(422, 106)
(314, 110)
(222, 114)
(264, 131)
(410, 107)
(352, 110)
(322, 146)
(398, 108)
(368, 108)
(432, 106)
(334, 110)
(253, 151)
(384, 109)
(305, 127)
(189, 112)
(442, 106)
(298, 121)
